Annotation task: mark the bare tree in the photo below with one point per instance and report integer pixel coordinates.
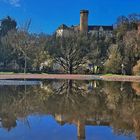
(69, 52)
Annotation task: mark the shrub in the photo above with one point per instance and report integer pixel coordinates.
(136, 68)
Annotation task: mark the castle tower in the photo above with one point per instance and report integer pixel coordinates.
(84, 21)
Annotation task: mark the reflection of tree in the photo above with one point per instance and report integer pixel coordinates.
(112, 91)
(136, 87)
(137, 127)
(73, 98)
(8, 121)
(123, 106)
(73, 102)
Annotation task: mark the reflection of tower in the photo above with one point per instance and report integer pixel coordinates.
(84, 21)
(81, 129)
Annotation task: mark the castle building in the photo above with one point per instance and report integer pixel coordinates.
(84, 27)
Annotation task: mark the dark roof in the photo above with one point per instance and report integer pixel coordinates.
(97, 27)
(63, 26)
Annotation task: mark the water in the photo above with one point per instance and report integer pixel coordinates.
(70, 110)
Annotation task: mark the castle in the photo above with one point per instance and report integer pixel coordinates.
(84, 27)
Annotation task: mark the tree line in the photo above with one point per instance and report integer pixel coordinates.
(22, 51)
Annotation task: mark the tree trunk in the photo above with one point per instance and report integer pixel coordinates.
(69, 90)
(25, 63)
(70, 69)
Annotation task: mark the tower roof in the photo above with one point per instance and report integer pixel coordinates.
(84, 11)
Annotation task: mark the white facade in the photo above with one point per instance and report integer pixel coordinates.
(64, 32)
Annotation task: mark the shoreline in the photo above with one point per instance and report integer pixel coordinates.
(70, 76)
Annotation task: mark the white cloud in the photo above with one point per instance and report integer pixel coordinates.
(15, 3)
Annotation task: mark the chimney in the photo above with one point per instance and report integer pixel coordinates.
(84, 21)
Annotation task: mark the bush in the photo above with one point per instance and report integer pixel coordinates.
(136, 68)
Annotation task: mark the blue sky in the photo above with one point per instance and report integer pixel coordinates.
(47, 15)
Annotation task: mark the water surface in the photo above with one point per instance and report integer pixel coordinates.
(70, 110)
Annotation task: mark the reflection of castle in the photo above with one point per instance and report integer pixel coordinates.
(96, 121)
(97, 30)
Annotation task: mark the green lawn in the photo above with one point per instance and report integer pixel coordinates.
(6, 72)
(109, 74)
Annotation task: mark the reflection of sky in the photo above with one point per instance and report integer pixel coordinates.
(104, 133)
(46, 128)
(39, 128)
(19, 82)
